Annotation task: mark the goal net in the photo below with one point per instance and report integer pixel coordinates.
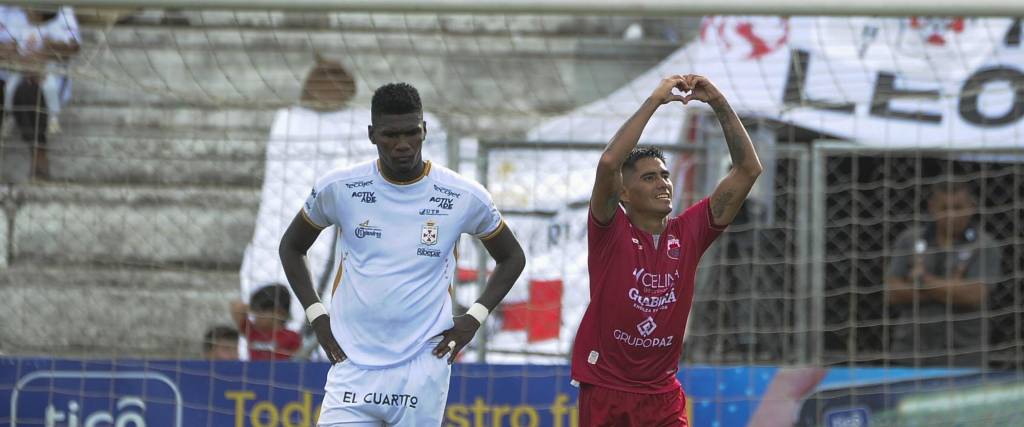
(876, 271)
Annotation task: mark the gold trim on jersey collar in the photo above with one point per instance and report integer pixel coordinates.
(426, 171)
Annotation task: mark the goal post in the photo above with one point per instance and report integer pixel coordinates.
(193, 131)
(605, 7)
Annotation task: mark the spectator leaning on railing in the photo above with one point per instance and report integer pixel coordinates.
(938, 281)
(35, 47)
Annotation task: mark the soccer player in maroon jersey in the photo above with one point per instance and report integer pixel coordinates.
(642, 265)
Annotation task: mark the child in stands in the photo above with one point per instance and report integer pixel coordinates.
(266, 333)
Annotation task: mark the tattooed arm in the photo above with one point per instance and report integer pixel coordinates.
(604, 198)
(728, 197)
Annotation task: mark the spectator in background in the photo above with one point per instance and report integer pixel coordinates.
(938, 281)
(266, 333)
(306, 141)
(39, 44)
(220, 343)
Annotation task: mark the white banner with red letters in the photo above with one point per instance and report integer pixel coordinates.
(885, 82)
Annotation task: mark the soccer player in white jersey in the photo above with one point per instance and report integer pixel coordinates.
(390, 325)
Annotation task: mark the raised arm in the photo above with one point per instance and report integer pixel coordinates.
(294, 244)
(608, 183)
(730, 193)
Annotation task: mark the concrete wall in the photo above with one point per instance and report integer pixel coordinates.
(137, 225)
(99, 312)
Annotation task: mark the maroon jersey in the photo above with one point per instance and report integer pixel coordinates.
(631, 335)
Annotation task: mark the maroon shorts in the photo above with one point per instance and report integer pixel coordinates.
(601, 406)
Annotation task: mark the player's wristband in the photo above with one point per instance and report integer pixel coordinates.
(314, 311)
(479, 312)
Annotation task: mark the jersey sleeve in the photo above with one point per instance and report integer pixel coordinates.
(598, 235)
(484, 221)
(699, 225)
(317, 210)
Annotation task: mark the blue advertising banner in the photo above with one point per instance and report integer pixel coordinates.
(95, 393)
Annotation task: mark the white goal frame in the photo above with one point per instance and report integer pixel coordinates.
(593, 7)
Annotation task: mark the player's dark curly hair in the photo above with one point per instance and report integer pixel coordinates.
(642, 152)
(395, 98)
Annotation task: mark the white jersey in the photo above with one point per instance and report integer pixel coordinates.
(398, 262)
(305, 145)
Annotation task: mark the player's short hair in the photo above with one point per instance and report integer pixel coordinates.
(642, 152)
(395, 98)
(217, 333)
(271, 298)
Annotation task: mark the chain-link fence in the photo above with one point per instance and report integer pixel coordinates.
(751, 304)
(871, 198)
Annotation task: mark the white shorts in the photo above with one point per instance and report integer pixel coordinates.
(411, 394)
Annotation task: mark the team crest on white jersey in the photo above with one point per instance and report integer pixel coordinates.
(428, 235)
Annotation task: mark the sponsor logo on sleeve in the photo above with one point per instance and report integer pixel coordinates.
(309, 201)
